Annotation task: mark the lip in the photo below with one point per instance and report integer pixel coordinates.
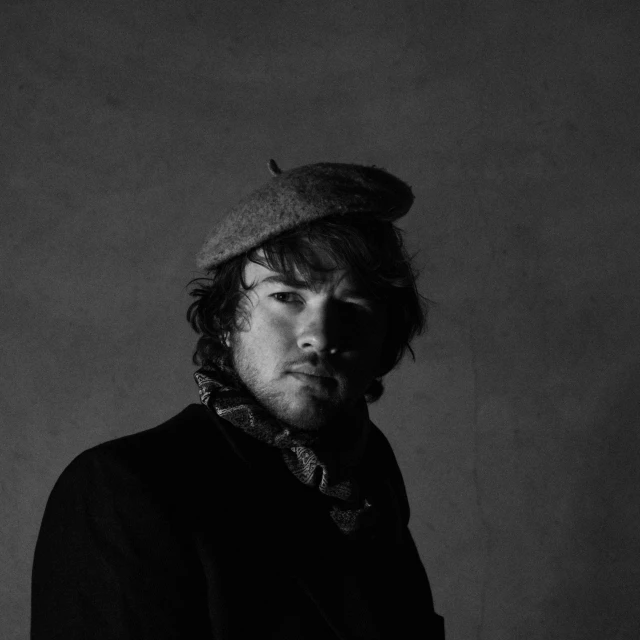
(312, 378)
(313, 372)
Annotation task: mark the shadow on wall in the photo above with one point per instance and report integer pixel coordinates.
(597, 592)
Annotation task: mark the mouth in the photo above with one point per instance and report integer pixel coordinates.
(317, 371)
(313, 379)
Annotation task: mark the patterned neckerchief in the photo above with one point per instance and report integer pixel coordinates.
(329, 466)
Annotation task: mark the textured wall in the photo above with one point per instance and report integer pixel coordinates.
(129, 125)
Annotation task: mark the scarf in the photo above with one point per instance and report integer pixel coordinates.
(328, 463)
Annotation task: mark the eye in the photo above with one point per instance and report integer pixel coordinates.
(286, 297)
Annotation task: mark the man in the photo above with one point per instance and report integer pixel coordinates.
(274, 508)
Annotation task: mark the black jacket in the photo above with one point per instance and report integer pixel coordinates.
(195, 530)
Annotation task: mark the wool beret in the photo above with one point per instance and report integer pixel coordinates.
(299, 196)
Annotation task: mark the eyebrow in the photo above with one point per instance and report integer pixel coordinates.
(286, 280)
(296, 283)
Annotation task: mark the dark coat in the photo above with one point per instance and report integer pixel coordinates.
(196, 530)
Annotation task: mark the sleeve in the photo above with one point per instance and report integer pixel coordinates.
(111, 560)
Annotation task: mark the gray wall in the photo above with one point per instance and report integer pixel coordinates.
(128, 126)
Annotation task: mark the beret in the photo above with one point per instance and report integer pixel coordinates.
(299, 196)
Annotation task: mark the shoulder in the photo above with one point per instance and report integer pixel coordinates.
(173, 438)
(116, 537)
(153, 480)
(192, 425)
(163, 459)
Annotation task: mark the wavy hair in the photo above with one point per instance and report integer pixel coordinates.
(372, 250)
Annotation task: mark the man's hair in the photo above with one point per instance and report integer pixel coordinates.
(372, 250)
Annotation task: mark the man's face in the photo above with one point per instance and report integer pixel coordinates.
(308, 351)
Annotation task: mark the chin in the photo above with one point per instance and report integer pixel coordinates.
(310, 415)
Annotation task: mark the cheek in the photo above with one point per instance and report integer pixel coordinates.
(269, 333)
(374, 351)
(367, 357)
(374, 337)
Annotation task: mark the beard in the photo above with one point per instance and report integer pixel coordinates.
(300, 408)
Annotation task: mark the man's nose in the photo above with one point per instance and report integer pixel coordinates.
(319, 331)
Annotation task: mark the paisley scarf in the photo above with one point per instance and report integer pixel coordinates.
(329, 464)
